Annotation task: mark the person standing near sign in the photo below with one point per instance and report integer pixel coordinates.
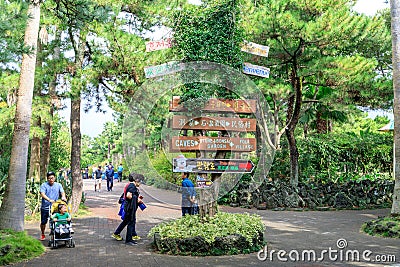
(188, 195)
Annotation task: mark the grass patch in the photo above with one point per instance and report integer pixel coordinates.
(83, 211)
(18, 246)
(383, 226)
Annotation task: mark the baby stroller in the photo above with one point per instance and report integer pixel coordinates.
(60, 230)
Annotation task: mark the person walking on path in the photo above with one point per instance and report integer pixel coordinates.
(188, 195)
(132, 201)
(50, 191)
(110, 177)
(120, 169)
(97, 176)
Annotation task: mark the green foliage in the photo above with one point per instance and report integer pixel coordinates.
(222, 224)
(32, 196)
(209, 32)
(60, 150)
(12, 24)
(163, 166)
(4, 164)
(383, 226)
(340, 156)
(18, 246)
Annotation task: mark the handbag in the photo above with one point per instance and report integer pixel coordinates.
(122, 210)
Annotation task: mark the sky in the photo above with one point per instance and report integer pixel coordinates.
(92, 122)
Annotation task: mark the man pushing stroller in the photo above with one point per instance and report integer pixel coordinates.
(50, 191)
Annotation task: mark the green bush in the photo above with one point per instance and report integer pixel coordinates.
(245, 230)
(338, 157)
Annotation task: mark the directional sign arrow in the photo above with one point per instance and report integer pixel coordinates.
(199, 165)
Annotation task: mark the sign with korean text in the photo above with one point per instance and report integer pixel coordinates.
(255, 49)
(220, 105)
(212, 165)
(255, 70)
(214, 123)
(193, 143)
(158, 45)
(163, 69)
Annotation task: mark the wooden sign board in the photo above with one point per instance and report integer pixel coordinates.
(193, 143)
(212, 165)
(214, 124)
(219, 105)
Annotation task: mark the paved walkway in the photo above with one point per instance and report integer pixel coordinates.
(290, 231)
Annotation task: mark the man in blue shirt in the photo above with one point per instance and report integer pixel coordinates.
(110, 177)
(188, 195)
(50, 191)
(120, 169)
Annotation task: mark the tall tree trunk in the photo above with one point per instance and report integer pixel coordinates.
(34, 161)
(13, 207)
(293, 115)
(77, 182)
(294, 158)
(46, 142)
(395, 13)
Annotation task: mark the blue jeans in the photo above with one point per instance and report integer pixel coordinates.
(110, 184)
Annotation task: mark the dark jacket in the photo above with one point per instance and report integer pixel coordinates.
(131, 205)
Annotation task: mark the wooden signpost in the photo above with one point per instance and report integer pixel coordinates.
(193, 143)
(206, 143)
(214, 123)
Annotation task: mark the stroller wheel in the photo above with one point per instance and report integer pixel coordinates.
(49, 244)
(71, 243)
(54, 244)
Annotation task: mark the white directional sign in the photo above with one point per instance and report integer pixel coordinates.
(255, 70)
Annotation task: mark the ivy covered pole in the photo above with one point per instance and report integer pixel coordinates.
(209, 33)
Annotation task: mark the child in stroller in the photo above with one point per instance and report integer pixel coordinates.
(60, 225)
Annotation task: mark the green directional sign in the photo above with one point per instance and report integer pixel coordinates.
(212, 165)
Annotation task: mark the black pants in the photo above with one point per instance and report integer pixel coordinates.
(187, 210)
(130, 230)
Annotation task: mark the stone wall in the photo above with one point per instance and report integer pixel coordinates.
(348, 195)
